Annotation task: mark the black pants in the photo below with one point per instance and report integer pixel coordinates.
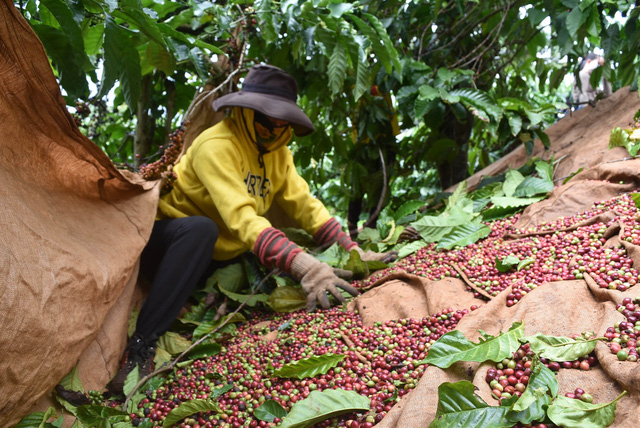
(177, 259)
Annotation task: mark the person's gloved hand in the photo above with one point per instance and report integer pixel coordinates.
(370, 256)
(317, 278)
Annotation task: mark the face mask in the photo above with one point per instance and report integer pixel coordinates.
(266, 131)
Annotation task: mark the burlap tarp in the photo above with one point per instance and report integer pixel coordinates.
(73, 226)
(71, 230)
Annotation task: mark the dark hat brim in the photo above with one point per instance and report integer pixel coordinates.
(270, 105)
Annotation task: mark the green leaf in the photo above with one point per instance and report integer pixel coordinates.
(69, 25)
(618, 138)
(160, 58)
(309, 367)
(544, 138)
(374, 265)
(515, 123)
(525, 262)
(356, 265)
(131, 13)
(335, 255)
(337, 10)
(559, 348)
(387, 43)
(299, 236)
(133, 320)
(369, 234)
(207, 327)
(636, 199)
(457, 197)
(170, 31)
(532, 186)
(621, 138)
(217, 392)
(534, 410)
(363, 81)
(454, 346)
(535, 399)
(459, 406)
(37, 419)
(267, 27)
(545, 170)
(71, 72)
(376, 45)
(480, 204)
(496, 213)
(573, 174)
(269, 410)
(480, 101)
(161, 357)
(572, 413)
(320, 406)
(72, 381)
(93, 39)
(93, 415)
(337, 68)
(231, 278)
(428, 93)
(122, 61)
(194, 316)
(512, 180)
(463, 235)
(188, 408)
(433, 228)
(409, 207)
(252, 301)
(131, 381)
(204, 350)
(406, 249)
(173, 343)
(506, 263)
(287, 299)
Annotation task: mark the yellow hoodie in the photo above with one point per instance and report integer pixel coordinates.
(220, 177)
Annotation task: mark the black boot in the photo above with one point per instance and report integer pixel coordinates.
(137, 352)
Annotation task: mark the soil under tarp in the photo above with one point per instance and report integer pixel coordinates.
(73, 227)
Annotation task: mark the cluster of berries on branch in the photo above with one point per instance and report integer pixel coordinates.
(162, 168)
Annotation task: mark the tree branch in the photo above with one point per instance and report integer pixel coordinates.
(462, 61)
(462, 33)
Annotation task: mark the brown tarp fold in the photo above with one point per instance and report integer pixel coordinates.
(71, 230)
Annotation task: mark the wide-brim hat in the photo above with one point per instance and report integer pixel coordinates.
(273, 92)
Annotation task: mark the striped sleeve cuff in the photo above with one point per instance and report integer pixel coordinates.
(274, 250)
(331, 232)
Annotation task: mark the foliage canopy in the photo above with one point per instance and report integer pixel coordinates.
(408, 97)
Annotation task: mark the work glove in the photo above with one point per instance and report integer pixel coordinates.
(371, 256)
(317, 278)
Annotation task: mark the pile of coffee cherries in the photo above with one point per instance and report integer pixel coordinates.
(623, 335)
(381, 364)
(511, 376)
(558, 250)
